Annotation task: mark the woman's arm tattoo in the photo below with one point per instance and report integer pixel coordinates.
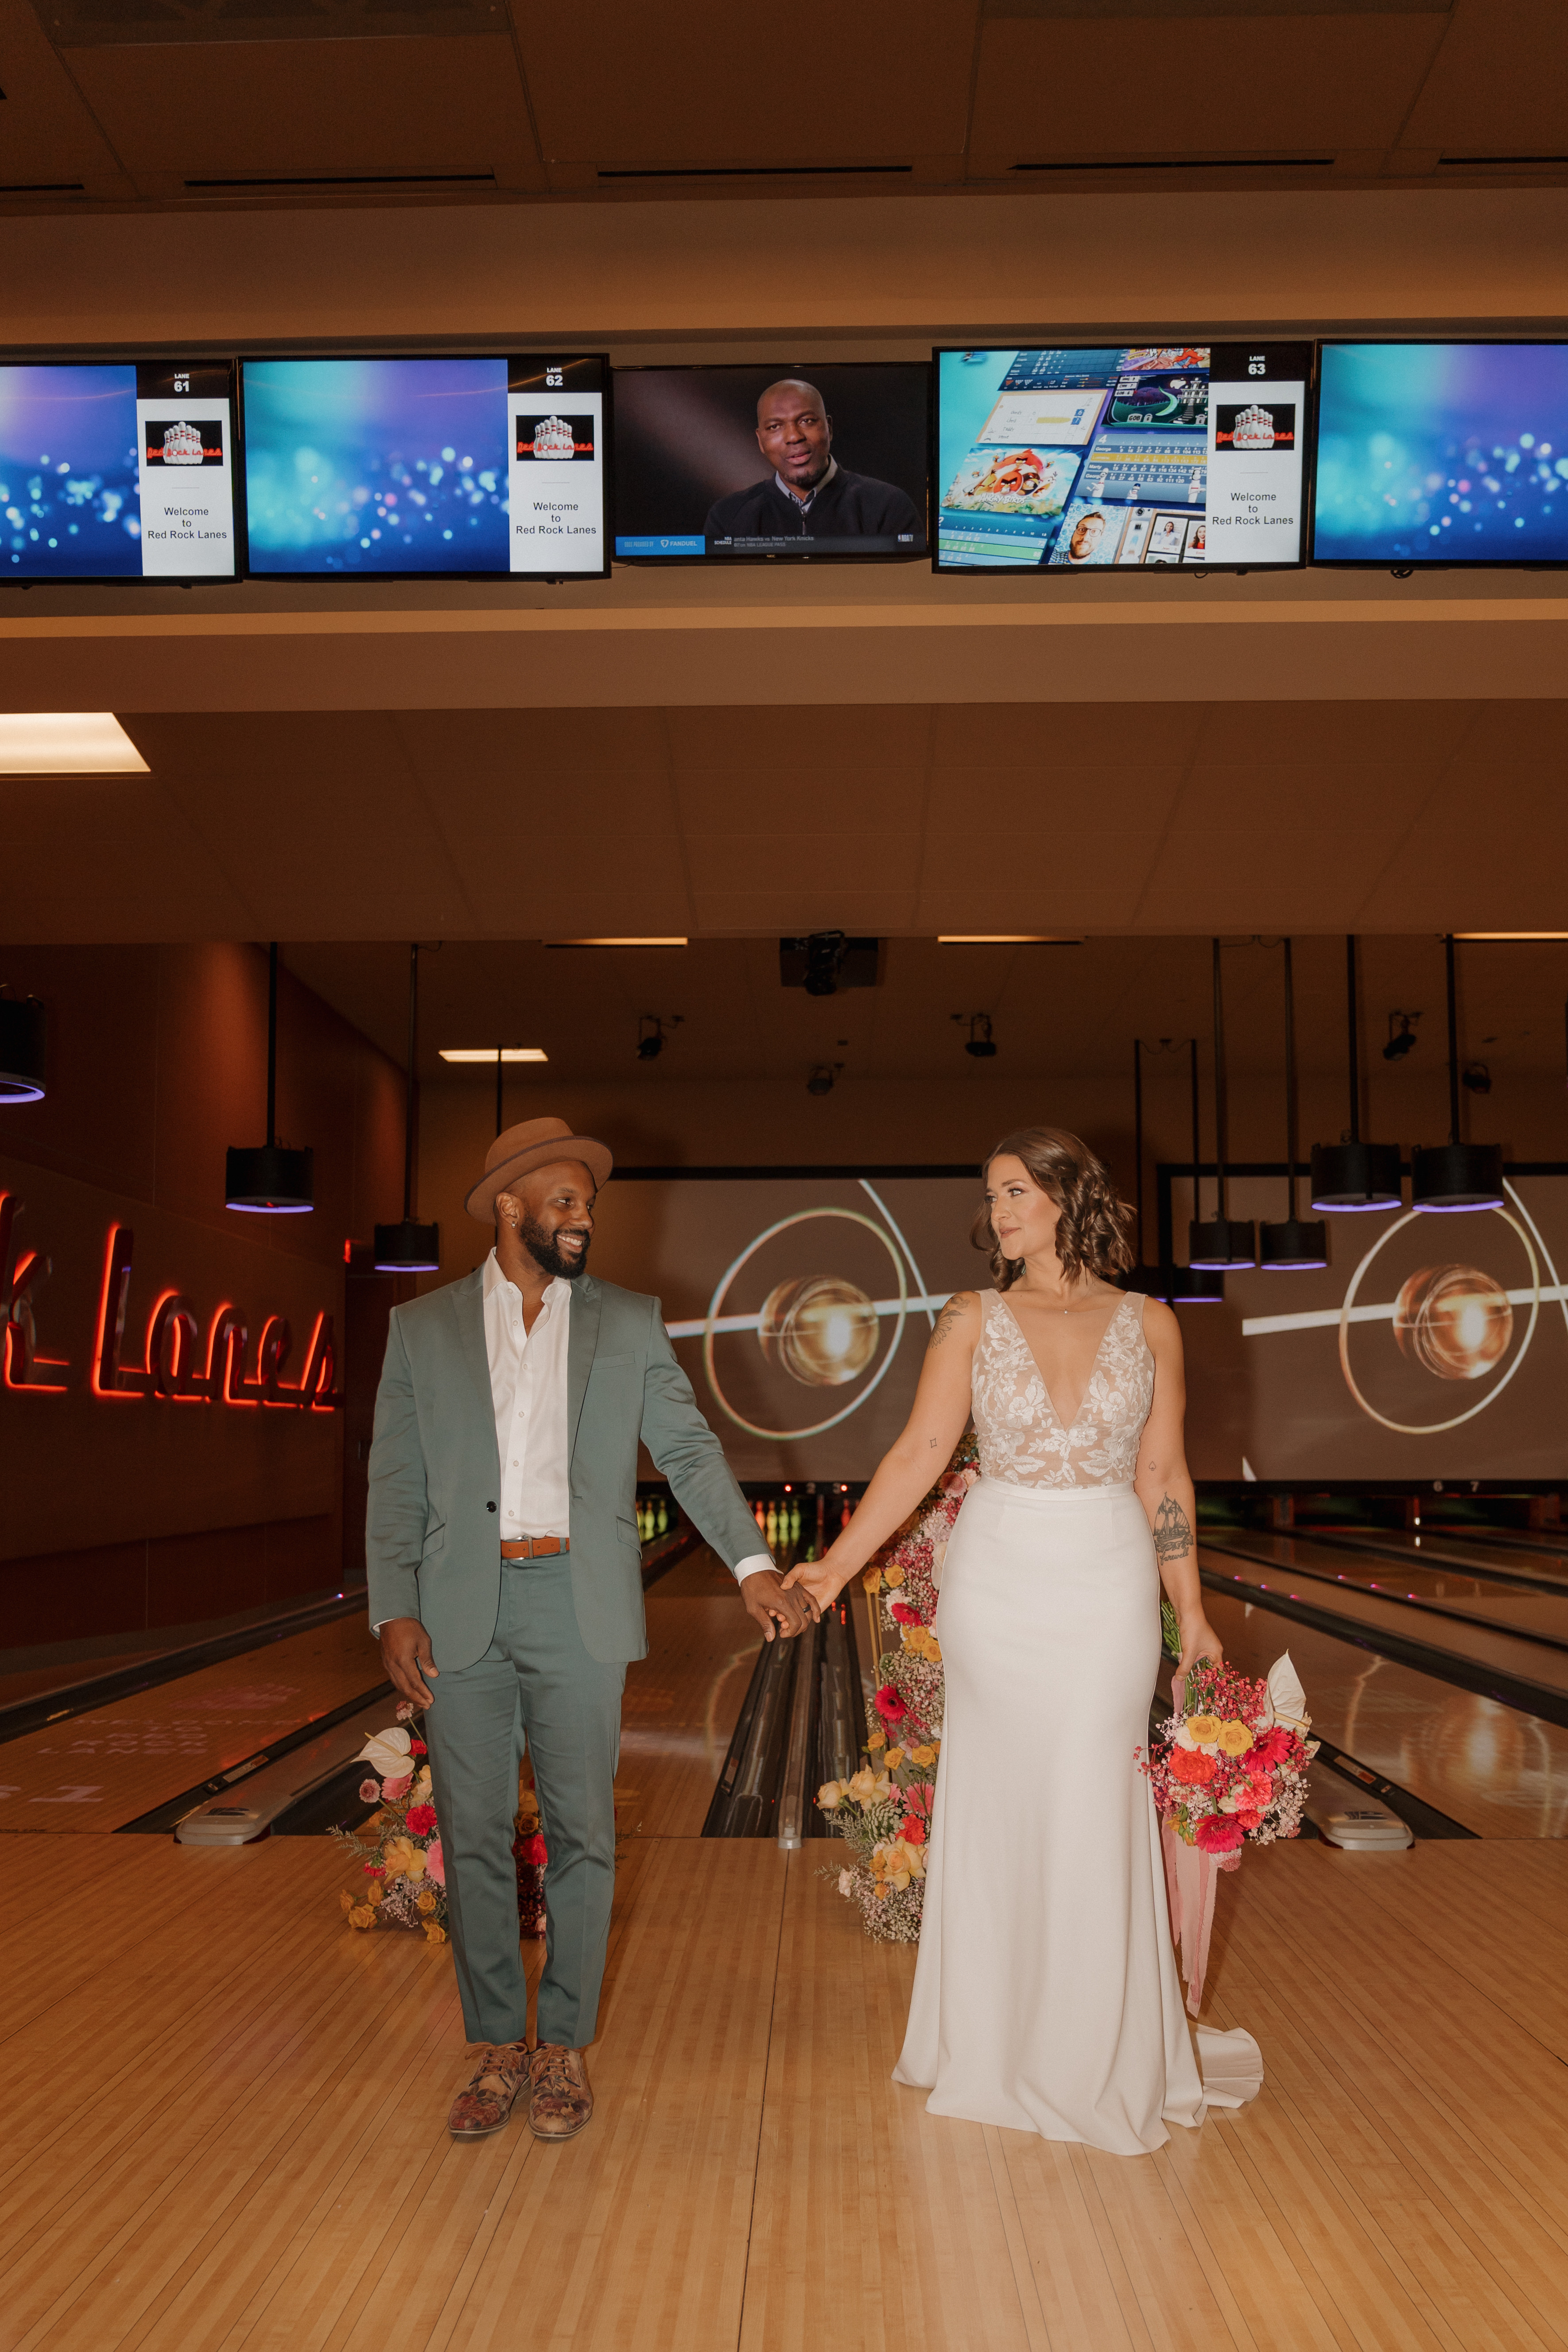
(951, 1313)
(1172, 1531)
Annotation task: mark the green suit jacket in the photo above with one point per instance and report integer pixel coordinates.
(433, 1531)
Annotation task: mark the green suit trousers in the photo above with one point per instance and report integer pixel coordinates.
(537, 1682)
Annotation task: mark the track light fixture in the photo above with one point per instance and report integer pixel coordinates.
(652, 1031)
(1352, 1174)
(822, 1077)
(1452, 1176)
(1290, 1244)
(979, 1042)
(408, 1246)
(1219, 1244)
(270, 1179)
(1476, 1078)
(22, 1041)
(1402, 1040)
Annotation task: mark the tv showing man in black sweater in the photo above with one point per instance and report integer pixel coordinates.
(842, 451)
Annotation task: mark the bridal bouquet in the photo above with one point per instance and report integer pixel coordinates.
(883, 1812)
(1229, 1769)
(399, 1847)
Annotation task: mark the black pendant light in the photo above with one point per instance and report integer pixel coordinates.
(1152, 1281)
(1454, 1175)
(1219, 1244)
(22, 1043)
(409, 1247)
(1190, 1285)
(1292, 1245)
(1353, 1175)
(271, 1180)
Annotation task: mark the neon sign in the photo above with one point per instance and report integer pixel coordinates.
(175, 1366)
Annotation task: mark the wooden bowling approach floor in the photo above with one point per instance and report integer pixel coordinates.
(224, 2127)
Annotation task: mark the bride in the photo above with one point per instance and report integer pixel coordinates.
(1046, 1994)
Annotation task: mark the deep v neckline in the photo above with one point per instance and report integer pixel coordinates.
(1066, 1427)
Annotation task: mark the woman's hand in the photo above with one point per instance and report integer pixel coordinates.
(1199, 1642)
(820, 1579)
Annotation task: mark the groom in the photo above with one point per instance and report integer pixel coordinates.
(506, 1586)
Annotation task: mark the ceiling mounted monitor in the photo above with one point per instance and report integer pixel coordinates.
(1442, 452)
(727, 465)
(415, 468)
(114, 472)
(1141, 457)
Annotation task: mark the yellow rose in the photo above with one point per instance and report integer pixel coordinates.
(925, 1755)
(1204, 1730)
(893, 1759)
(434, 1935)
(396, 1856)
(346, 1899)
(872, 1580)
(1235, 1738)
(828, 1795)
(362, 1916)
(893, 1574)
(425, 1903)
(374, 1892)
(876, 1740)
(933, 1649)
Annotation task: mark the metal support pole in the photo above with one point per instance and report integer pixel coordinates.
(1291, 1125)
(1219, 1104)
(408, 1098)
(1354, 1040)
(1453, 1040)
(271, 1044)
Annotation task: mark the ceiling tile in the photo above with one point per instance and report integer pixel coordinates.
(1499, 84)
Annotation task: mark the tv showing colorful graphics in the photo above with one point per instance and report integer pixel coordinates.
(725, 464)
(116, 471)
(1442, 452)
(1138, 455)
(413, 468)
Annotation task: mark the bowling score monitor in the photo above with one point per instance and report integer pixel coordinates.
(1139, 457)
(777, 463)
(110, 470)
(457, 466)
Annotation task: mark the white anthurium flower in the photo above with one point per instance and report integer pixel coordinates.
(387, 1752)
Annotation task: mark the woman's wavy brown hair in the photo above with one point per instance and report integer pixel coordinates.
(1093, 1235)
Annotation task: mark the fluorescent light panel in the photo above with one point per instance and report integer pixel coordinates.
(487, 1053)
(615, 943)
(66, 743)
(1510, 935)
(1008, 940)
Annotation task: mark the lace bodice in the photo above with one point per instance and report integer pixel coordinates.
(1022, 1441)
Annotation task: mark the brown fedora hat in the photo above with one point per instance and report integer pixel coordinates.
(536, 1144)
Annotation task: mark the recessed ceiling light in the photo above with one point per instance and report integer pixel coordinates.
(615, 943)
(66, 743)
(1008, 940)
(487, 1053)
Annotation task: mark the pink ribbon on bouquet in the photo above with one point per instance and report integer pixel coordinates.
(1190, 1879)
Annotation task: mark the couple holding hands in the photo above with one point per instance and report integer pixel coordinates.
(505, 1586)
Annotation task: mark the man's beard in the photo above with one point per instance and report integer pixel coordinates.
(540, 1245)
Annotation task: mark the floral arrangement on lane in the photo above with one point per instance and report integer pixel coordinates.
(399, 1847)
(883, 1812)
(1228, 1770)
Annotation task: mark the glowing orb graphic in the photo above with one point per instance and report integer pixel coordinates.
(1454, 1321)
(819, 1330)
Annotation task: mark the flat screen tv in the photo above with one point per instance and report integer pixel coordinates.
(114, 472)
(413, 468)
(1141, 455)
(1442, 452)
(727, 465)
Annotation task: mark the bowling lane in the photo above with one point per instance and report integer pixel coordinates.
(96, 1771)
(1505, 1604)
(682, 1699)
(1521, 1561)
(1498, 1771)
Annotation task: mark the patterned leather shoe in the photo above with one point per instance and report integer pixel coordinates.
(561, 2102)
(483, 2107)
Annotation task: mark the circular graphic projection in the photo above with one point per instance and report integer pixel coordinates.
(820, 1329)
(1454, 1321)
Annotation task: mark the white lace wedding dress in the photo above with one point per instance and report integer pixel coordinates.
(1046, 1995)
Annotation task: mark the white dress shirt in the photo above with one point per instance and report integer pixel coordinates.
(528, 1391)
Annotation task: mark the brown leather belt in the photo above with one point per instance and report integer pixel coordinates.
(536, 1547)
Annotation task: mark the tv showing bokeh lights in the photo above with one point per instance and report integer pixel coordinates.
(1442, 452)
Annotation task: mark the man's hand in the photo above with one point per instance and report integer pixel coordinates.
(405, 1654)
(774, 1607)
